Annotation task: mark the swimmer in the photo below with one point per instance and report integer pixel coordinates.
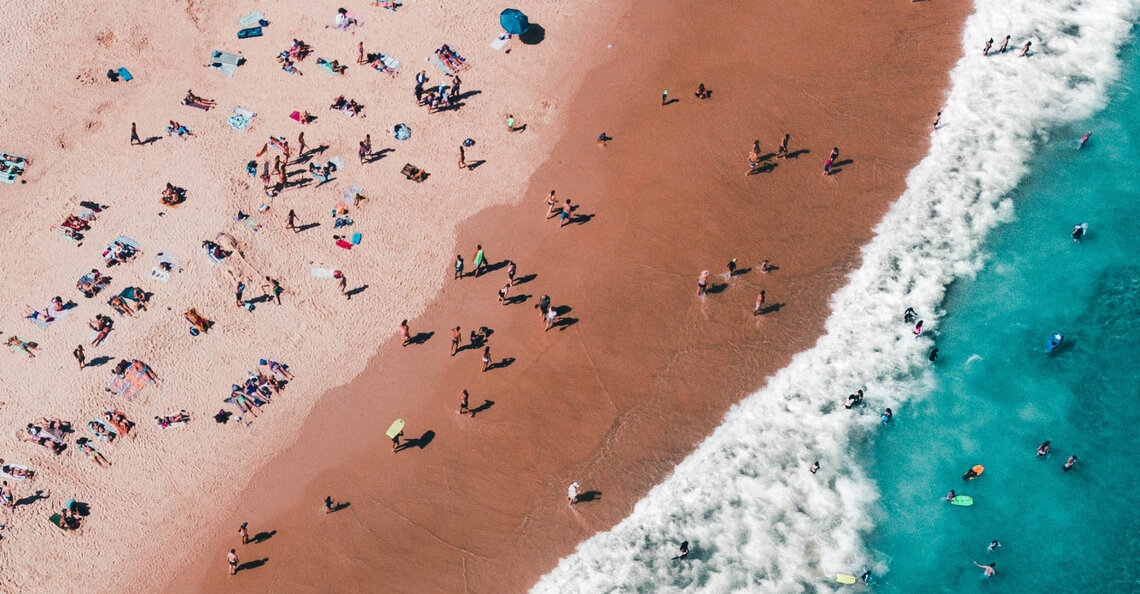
(970, 474)
(683, 552)
(909, 315)
(993, 545)
(866, 577)
(1079, 231)
(853, 399)
(887, 414)
(988, 571)
(1083, 140)
(1070, 462)
(933, 354)
(918, 329)
(951, 495)
(814, 468)
(1043, 449)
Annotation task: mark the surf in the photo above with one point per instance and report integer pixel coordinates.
(754, 516)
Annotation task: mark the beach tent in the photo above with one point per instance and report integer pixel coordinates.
(514, 21)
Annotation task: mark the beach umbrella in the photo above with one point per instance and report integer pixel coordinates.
(514, 21)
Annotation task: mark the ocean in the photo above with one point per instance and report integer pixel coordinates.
(979, 245)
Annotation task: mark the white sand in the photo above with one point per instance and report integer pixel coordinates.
(59, 108)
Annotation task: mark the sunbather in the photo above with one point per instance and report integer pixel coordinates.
(22, 346)
(377, 62)
(334, 65)
(75, 223)
(140, 367)
(343, 21)
(119, 421)
(195, 101)
(100, 431)
(175, 128)
(288, 66)
(245, 404)
(85, 446)
(36, 436)
(299, 50)
(173, 196)
(118, 253)
(168, 420)
(197, 321)
(102, 325)
(216, 252)
(118, 304)
(278, 368)
(16, 471)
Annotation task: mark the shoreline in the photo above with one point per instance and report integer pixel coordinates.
(483, 493)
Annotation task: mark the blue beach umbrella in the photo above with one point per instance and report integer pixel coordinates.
(514, 21)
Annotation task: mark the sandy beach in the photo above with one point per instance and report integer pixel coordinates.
(638, 371)
(642, 369)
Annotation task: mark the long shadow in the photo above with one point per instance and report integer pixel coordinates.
(252, 564)
(466, 95)
(841, 163)
(380, 154)
(420, 442)
(474, 164)
(765, 168)
(525, 279)
(794, 154)
(741, 272)
(493, 267)
(99, 361)
(504, 363)
(261, 537)
(516, 299)
(562, 310)
(487, 404)
(770, 309)
(589, 496)
(766, 157)
(671, 101)
(356, 291)
(339, 506)
(30, 499)
(717, 288)
(564, 323)
(581, 219)
(150, 140)
(307, 226)
(421, 338)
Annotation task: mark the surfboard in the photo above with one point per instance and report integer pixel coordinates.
(844, 578)
(963, 500)
(978, 470)
(1054, 341)
(395, 429)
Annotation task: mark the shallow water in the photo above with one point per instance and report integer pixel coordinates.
(999, 395)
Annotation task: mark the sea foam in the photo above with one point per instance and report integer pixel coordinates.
(755, 519)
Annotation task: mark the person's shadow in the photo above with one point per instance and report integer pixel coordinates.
(252, 564)
(503, 363)
(261, 537)
(589, 496)
(420, 442)
(421, 338)
(356, 291)
(769, 309)
(516, 299)
(487, 404)
(30, 499)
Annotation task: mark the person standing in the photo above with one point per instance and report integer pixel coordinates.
(703, 283)
(572, 492)
(135, 135)
(511, 269)
(550, 202)
(503, 294)
(275, 289)
(566, 210)
(1004, 45)
(782, 152)
(458, 267)
(510, 122)
(342, 283)
(665, 97)
(243, 531)
(463, 397)
(291, 221)
(232, 559)
(759, 304)
(362, 152)
(753, 158)
(480, 260)
(456, 338)
(301, 146)
(405, 333)
(7, 498)
(937, 120)
(396, 441)
(989, 44)
(330, 506)
(486, 358)
(551, 317)
(462, 157)
(455, 82)
(238, 293)
(360, 53)
(1025, 50)
(288, 153)
(80, 356)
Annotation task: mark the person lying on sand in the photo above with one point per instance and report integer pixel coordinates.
(85, 446)
(168, 420)
(193, 100)
(118, 304)
(35, 435)
(102, 325)
(22, 346)
(16, 471)
(118, 419)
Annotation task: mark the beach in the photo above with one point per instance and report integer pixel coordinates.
(646, 369)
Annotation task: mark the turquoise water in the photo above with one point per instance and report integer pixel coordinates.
(1000, 395)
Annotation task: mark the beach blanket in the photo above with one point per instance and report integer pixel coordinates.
(442, 66)
(251, 19)
(42, 319)
(159, 275)
(500, 42)
(13, 476)
(225, 62)
(321, 272)
(101, 430)
(241, 119)
(250, 32)
(130, 385)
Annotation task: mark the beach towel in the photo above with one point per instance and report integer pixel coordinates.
(130, 385)
(8, 178)
(159, 274)
(321, 272)
(96, 425)
(390, 62)
(327, 66)
(241, 119)
(125, 74)
(13, 476)
(250, 32)
(37, 317)
(402, 132)
(442, 66)
(124, 240)
(500, 42)
(339, 164)
(225, 62)
(251, 19)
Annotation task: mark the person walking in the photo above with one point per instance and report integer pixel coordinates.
(703, 283)
(551, 317)
(782, 152)
(462, 157)
(291, 221)
(396, 441)
(463, 397)
(753, 158)
(566, 210)
(456, 338)
(80, 356)
(405, 333)
(550, 202)
(759, 304)
(503, 294)
(458, 267)
(362, 153)
(1004, 45)
(665, 97)
(342, 283)
(480, 260)
(937, 120)
(7, 497)
(511, 269)
(572, 492)
(1025, 50)
(238, 293)
(486, 358)
(275, 289)
(243, 531)
(135, 135)
(232, 559)
(330, 506)
(989, 44)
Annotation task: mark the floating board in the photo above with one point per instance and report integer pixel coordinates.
(1054, 341)
(395, 429)
(844, 578)
(978, 470)
(963, 500)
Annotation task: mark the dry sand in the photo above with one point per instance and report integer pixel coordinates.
(647, 369)
(169, 489)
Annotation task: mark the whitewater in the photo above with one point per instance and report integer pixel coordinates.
(754, 517)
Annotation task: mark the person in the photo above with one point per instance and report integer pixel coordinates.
(918, 329)
(886, 417)
(766, 267)
(603, 139)
(814, 468)
(543, 305)
(853, 399)
(827, 166)
(702, 92)
(80, 356)
(480, 260)
(683, 551)
(988, 571)
(462, 157)
(1043, 449)
(302, 148)
(405, 333)
(342, 20)
(510, 123)
(1070, 463)
(396, 441)
(329, 505)
(782, 152)
(503, 294)
(362, 153)
(970, 474)
(703, 283)
(463, 397)
(759, 304)
(866, 577)
(511, 269)
(85, 446)
(342, 283)
(1004, 45)
(753, 158)
(232, 559)
(937, 119)
(951, 495)
(275, 289)
(243, 531)
(456, 338)
(550, 202)
(989, 44)
(486, 358)
(1084, 139)
(458, 267)
(993, 545)
(572, 492)
(1078, 232)
(565, 214)
(7, 498)
(665, 97)
(834, 153)
(291, 221)
(135, 135)
(1025, 50)
(730, 268)
(551, 317)
(933, 355)
(909, 315)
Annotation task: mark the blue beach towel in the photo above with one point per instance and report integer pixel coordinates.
(250, 32)
(125, 74)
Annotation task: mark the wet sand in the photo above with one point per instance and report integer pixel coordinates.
(641, 369)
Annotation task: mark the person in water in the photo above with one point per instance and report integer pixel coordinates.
(918, 329)
(887, 414)
(988, 571)
(993, 545)
(1078, 232)
(853, 399)
(970, 475)
(951, 495)
(684, 552)
(866, 577)
(1043, 449)
(1084, 139)
(1070, 463)
(933, 354)
(909, 315)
